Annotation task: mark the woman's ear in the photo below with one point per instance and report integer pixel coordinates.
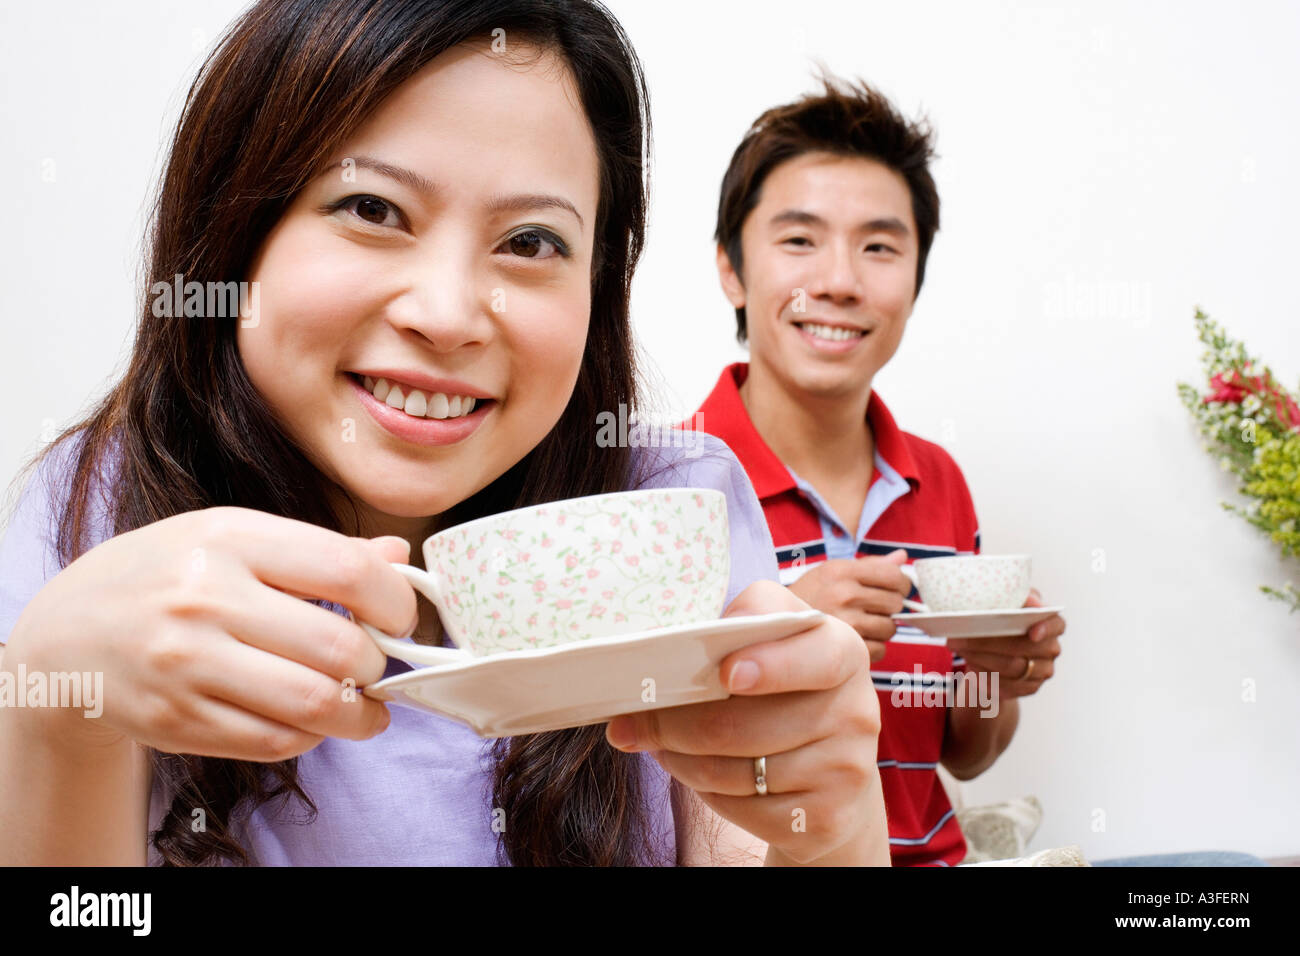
(731, 284)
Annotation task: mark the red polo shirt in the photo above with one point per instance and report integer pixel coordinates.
(917, 500)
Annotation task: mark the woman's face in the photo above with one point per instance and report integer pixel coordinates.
(447, 250)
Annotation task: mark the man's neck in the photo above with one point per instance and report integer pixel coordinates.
(812, 435)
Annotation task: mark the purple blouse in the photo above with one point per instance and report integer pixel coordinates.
(420, 792)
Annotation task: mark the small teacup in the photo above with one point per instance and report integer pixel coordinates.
(980, 582)
(573, 570)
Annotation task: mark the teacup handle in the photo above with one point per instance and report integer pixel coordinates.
(415, 653)
(910, 573)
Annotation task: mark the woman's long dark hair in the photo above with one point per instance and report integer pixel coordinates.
(279, 95)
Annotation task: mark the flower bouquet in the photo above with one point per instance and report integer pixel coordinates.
(1252, 424)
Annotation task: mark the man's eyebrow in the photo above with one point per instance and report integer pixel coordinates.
(891, 224)
(499, 203)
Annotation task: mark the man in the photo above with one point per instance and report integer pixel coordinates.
(827, 214)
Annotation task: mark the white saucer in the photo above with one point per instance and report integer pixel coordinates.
(526, 692)
(1009, 622)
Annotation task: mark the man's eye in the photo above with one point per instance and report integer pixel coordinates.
(372, 210)
(801, 240)
(881, 246)
(533, 243)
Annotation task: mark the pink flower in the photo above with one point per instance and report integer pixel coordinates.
(632, 560)
(613, 521)
(620, 616)
(571, 561)
(667, 594)
(524, 557)
(592, 572)
(658, 548)
(469, 553)
(539, 586)
(532, 620)
(616, 547)
(547, 540)
(563, 604)
(495, 615)
(597, 610)
(607, 595)
(482, 567)
(661, 527)
(502, 580)
(687, 561)
(559, 519)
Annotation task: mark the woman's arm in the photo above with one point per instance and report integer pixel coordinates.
(71, 794)
(706, 839)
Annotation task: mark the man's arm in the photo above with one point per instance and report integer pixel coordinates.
(971, 743)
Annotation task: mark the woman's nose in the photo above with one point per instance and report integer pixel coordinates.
(446, 301)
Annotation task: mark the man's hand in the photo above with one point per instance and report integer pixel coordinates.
(862, 592)
(1022, 663)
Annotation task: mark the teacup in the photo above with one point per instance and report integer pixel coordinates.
(981, 582)
(574, 570)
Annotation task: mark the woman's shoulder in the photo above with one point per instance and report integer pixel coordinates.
(29, 545)
(680, 458)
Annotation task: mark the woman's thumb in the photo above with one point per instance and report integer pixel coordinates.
(392, 547)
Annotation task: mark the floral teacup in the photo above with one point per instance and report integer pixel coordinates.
(979, 582)
(576, 570)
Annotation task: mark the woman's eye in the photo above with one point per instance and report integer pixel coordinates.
(372, 210)
(532, 244)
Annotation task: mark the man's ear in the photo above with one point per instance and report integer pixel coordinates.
(732, 287)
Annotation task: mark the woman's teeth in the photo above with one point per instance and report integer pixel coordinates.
(830, 332)
(420, 404)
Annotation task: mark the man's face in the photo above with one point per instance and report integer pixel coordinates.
(829, 263)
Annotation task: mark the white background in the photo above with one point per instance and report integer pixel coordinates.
(1105, 168)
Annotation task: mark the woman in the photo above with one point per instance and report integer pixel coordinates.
(451, 196)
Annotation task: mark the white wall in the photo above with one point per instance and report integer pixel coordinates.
(1105, 168)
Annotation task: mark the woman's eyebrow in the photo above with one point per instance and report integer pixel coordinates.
(500, 203)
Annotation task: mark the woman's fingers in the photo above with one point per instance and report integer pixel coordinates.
(208, 727)
(737, 726)
(283, 691)
(794, 771)
(288, 627)
(820, 658)
(303, 559)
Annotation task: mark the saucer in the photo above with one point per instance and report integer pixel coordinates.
(1007, 622)
(590, 682)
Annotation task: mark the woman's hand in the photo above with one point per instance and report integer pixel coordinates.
(806, 703)
(205, 647)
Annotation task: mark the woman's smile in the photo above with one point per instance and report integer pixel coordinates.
(424, 418)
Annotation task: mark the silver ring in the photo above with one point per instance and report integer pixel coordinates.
(760, 775)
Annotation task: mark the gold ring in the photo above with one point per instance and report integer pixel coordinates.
(1029, 669)
(760, 775)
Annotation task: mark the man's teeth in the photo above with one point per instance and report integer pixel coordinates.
(420, 404)
(829, 332)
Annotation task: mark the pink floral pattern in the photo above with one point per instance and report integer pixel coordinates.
(656, 558)
(982, 582)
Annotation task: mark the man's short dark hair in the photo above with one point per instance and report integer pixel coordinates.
(847, 119)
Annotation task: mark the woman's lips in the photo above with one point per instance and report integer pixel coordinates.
(421, 431)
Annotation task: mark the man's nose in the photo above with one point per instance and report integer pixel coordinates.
(837, 276)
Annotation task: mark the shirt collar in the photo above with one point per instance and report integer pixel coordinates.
(724, 414)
